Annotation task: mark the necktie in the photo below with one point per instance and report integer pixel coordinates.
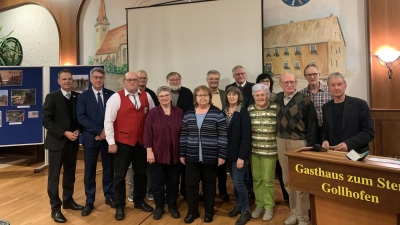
(240, 87)
(100, 102)
(136, 102)
(68, 96)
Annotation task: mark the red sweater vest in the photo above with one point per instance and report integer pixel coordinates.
(129, 124)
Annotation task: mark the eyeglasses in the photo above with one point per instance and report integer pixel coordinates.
(240, 74)
(174, 80)
(142, 78)
(164, 96)
(213, 79)
(312, 74)
(131, 80)
(286, 83)
(260, 95)
(97, 78)
(202, 96)
(265, 81)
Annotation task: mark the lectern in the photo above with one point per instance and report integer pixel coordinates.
(347, 192)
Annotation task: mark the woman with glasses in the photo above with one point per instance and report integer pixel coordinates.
(239, 139)
(161, 139)
(264, 150)
(203, 144)
(266, 79)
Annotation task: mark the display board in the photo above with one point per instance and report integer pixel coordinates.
(21, 100)
(193, 38)
(80, 77)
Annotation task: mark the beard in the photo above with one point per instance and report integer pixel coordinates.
(175, 87)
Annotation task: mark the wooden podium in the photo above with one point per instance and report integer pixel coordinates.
(347, 192)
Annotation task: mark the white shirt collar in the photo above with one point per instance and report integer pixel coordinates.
(242, 84)
(95, 91)
(64, 92)
(127, 93)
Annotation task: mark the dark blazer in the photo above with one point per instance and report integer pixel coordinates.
(357, 126)
(246, 91)
(185, 100)
(56, 120)
(153, 96)
(159, 135)
(239, 136)
(90, 117)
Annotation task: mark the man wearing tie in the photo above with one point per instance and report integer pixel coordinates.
(59, 118)
(125, 115)
(239, 74)
(90, 112)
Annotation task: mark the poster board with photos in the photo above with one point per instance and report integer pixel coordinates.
(21, 100)
(80, 77)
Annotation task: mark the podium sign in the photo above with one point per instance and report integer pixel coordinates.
(372, 186)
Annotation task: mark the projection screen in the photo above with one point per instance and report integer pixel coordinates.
(193, 38)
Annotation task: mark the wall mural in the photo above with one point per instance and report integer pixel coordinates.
(10, 50)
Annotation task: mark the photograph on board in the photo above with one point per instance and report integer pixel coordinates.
(3, 97)
(10, 78)
(23, 97)
(14, 116)
(80, 83)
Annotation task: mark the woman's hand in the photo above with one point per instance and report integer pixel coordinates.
(150, 156)
(239, 163)
(220, 161)
(183, 160)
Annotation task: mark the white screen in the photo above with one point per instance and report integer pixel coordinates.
(193, 38)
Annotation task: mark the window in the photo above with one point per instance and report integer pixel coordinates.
(296, 65)
(339, 49)
(331, 47)
(101, 59)
(312, 62)
(104, 29)
(268, 65)
(331, 63)
(268, 52)
(312, 48)
(286, 66)
(276, 52)
(286, 51)
(336, 64)
(297, 50)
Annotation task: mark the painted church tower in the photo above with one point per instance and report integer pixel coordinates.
(102, 25)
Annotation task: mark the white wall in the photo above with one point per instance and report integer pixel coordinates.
(36, 30)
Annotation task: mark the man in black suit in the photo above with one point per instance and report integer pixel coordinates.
(90, 112)
(239, 74)
(59, 118)
(182, 98)
(347, 121)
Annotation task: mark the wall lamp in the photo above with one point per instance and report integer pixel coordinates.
(386, 57)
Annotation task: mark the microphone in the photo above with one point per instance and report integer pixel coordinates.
(314, 148)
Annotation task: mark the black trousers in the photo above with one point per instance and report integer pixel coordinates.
(207, 174)
(67, 159)
(221, 175)
(165, 182)
(126, 155)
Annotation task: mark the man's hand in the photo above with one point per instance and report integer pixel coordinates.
(71, 135)
(239, 163)
(102, 134)
(325, 144)
(112, 149)
(342, 147)
(150, 156)
(182, 159)
(220, 161)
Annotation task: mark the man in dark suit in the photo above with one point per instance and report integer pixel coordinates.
(347, 121)
(239, 74)
(219, 101)
(182, 98)
(90, 111)
(59, 118)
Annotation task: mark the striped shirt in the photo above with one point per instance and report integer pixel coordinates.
(319, 99)
(263, 130)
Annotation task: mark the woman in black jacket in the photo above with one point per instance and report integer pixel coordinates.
(239, 140)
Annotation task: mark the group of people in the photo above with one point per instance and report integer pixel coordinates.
(188, 139)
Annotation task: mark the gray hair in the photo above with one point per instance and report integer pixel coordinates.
(97, 69)
(287, 73)
(213, 72)
(237, 67)
(163, 88)
(172, 74)
(337, 75)
(258, 87)
(142, 71)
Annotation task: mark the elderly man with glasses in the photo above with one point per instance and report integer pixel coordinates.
(318, 92)
(296, 127)
(239, 74)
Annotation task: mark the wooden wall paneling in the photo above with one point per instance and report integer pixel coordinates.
(390, 138)
(384, 29)
(65, 13)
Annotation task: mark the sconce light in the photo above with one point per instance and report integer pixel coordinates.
(386, 58)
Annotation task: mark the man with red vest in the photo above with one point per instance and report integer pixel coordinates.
(125, 115)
